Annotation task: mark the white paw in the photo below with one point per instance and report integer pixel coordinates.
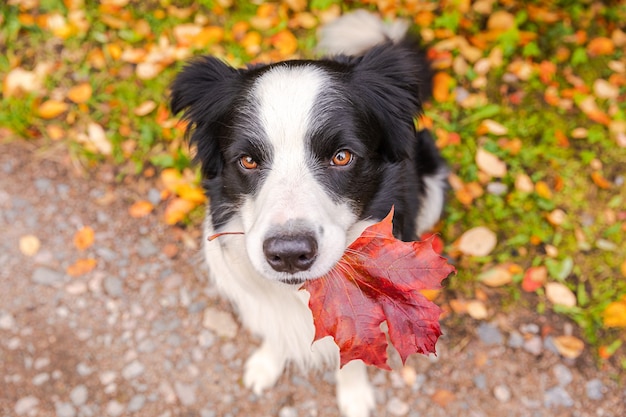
(262, 370)
(356, 400)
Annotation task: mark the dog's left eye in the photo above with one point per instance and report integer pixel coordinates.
(342, 158)
(247, 162)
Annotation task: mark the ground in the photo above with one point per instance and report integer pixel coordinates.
(144, 333)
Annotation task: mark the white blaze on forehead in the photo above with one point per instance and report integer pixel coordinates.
(286, 97)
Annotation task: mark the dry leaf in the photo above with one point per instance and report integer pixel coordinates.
(490, 164)
(477, 310)
(614, 315)
(534, 278)
(80, 93)
(599, 180)
(177, 210)
(605, 90)
(501, 21)
(285, 42)
(556, 217)
(559, 294)
(443, 397)
(84, 238)
(478, 241)
(19, 80)
(523, 183)
(493, 127)
(569, 346)
(543, 190)
(145, 108)
(441, 86)
(191, 193)
(601, 46)
(81, 267)
(29, 245)
(51, 109)
(496, 277)
(96, 136)
(140, 209)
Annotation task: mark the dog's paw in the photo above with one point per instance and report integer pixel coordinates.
(356, 400)
(262, 370)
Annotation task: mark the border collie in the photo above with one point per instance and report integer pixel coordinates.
(301, 156)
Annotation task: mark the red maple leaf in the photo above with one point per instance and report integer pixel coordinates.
(379, 278)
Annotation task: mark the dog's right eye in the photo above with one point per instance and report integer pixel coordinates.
(247, 162)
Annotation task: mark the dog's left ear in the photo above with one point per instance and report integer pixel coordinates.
(392, 81)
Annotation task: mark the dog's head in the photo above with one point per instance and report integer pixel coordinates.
(294, 151)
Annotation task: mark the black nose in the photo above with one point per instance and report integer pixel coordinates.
(290, 253)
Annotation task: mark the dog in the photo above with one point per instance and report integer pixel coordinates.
(301, 156)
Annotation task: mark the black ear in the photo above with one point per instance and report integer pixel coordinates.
(205, 89)
(392, 80)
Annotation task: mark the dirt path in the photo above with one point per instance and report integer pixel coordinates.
(145, 334)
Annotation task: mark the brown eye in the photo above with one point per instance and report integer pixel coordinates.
(342, 158)
(248, 163)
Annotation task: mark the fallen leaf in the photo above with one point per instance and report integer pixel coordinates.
(478, 241)
(443, 397)
(379, 279)
(477, 310)
(501, 20)
(523, 183)
(20, 80)
(569, 346)
(145, 108)
(493, 127)
(285, 42)
(177, 209)
(556, 217)
(80, 93)
(599, 180)
(600, 46)
(51, 109)
(496, 277)
(605, 90)
(490, 164)
(614, 315)
(140, 209)
(534, 278)
(441, 86)
(191, 193)
(84, 238)
(81, 267)
(29, 245)
(543, 190)
(559, 294)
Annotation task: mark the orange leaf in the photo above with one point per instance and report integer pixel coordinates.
(191, 193)
(81, 267)
(80, 93)
(542, 189)
(441, 86)
(177, 209)
(208, 36)
(534, 278)
(600, 46)
(84, 238)
(599, 180)
(140, 209)
(285, 42)
(614, 314)
(51, 109)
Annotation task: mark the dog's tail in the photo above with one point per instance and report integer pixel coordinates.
(356, 32)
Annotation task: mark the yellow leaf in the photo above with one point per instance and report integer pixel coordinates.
(600, 46)
(140, 209)
(145, 108)
(615, 314)
(441, 86)
(171, 179)
(81, 267)
(84, 238)
(501, 20)
(208, 36)
(51, 109)
(80, 93)
(285, 42)
(543, 190)
(191, 193)
(177, 209)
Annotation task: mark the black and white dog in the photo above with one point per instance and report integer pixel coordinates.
(301, 156)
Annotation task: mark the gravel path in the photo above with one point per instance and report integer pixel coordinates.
(145, 334)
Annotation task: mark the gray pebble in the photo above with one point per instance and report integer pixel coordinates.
(7, 322)
(136, 403)
(529, 328)
(497, 188)
(115, 408)
(557, 397)
(489, 334)
(154, 196)
(533, 345)
(186, 393)
(113, 286)
(83, 369)
(397, 407)
(288, 412)
(146, 248)
(79, 395)
(502, 393)
(516, 340)
(133, 370)
(47, 276)
(594, 389)
(480, 381)
(64, 410)
(25, 404)
(207, 413)
(563, 374)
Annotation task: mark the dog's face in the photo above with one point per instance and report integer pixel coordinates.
(293, 152)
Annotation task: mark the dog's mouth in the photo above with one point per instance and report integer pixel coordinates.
(293, 280)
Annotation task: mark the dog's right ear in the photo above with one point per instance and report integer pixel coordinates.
(205, 89)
